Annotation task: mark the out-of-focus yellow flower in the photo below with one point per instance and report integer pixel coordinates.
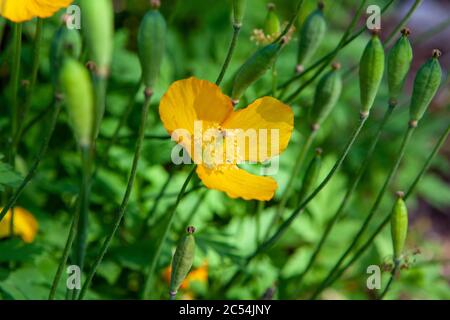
(24, 10)
(25, 225)
(254, 134)
(199, 274)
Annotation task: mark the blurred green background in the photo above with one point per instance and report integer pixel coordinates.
(198, 38)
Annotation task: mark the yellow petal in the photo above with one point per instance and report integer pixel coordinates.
(237, 183)
(23, 10)
(25, 225)
(15, 10)
(265, 113)
(192, 99)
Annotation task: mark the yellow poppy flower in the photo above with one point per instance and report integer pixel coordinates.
(194, 106)
(24, 10)
(25, 225)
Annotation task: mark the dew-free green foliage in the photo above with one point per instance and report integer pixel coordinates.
(227, 230)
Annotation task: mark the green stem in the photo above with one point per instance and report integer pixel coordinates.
(123, 119)
(373, 210)
(226, 63)
(349, 193)
(65, 256)
(83, 207)
(391, 279)
(331, 54)
(34, 73)
(43, 149)
(299, 159)
(334, 53)
(402, 22)
(126, 197)
(152, 211)
(162, 239)
(15, 77)
(387, 219)
(100, 84)
(286, 224)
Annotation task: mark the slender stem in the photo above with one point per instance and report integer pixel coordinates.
(32, 84)
(162, 239)
(329, 55)
(35, 120)
(391, 279)
(291, 22)
(226, 63)
(2, 29)
(65, 256)
(100, 84)
(126, 197)
(349, 193)
(373, 210)
(43, 149)
(152, 211)
(334, 53)
(286, 224)
(15, 77)
(299, 160)
(386, 220)
(402, 22)
(123, 119)
(83, 220)
(431, 32)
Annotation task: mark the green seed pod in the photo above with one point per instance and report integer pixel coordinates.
(238, 11)
(426, 84)
(254, 68)
(398, 65)
(182, 261)
(311, 36)
(399, 225)
(272, 23)
(76, 86)
(311, 175)
(98, 29)
(327, 94)
(371, 68)
(65, 43)
(151, 45)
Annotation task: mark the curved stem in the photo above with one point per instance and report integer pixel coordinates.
(226, 63)
(333, 54)
(349, 193)
(126, 197)
(65, 255)
(162, 239)
(152, 211)
(43, 149)
(327, 57)
(387, 219)
(402, 22)
(391, 279)
(32, 84)
(390, 176)
(286, 224)
(83, 208)
(15, 77)
(299, 159)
